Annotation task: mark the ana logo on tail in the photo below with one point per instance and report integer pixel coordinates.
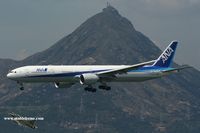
(165, 59)
(167, 54)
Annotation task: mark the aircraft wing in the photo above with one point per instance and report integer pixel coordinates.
(177, 69)
(124, 69)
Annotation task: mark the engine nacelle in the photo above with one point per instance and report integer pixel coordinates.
(88, 79)
(63, 85)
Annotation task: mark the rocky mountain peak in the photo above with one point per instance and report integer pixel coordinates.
(99, 40)
(107, 21)
(110, 10)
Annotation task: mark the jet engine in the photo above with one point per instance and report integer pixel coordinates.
(88, 79)
(63, 85)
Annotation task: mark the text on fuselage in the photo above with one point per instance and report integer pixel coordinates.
(41, 70)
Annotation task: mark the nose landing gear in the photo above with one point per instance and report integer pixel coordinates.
(21, 86)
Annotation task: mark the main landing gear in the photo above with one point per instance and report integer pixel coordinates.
(90, 89)
(102, 87)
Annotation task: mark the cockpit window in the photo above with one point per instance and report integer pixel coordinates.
(12, 71)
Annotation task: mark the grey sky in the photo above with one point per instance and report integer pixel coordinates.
(29, 26)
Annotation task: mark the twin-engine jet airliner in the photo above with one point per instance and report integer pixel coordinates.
(89, 75)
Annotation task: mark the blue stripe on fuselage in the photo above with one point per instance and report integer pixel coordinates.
(150, 69)
(70, 74)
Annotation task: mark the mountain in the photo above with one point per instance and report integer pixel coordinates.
(170, 104)
(99, 37)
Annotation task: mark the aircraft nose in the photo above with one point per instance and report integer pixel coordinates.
(10, 75)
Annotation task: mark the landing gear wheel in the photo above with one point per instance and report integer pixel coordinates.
(21, 88)
(108, 88)
(90, 89)
(104, 87)
(93, 90)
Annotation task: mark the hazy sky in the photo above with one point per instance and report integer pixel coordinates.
(30, 26)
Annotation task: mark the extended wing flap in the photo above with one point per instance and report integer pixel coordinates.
(124, 69)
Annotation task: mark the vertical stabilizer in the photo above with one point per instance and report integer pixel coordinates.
(166, 58)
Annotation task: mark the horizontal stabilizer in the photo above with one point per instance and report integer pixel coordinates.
(177, 69)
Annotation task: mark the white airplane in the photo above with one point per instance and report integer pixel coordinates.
(89, 75)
